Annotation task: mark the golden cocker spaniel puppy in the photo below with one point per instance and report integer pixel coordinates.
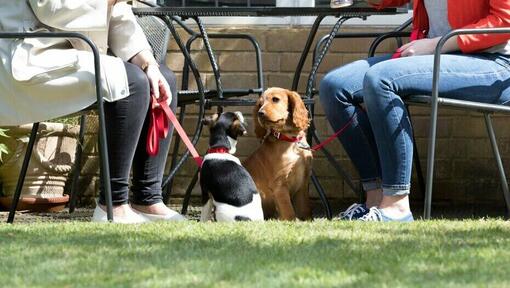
(281, 166)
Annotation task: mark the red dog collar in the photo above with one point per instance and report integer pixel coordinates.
(285, 138)
(221, 150)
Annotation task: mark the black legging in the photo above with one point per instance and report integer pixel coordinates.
(127, 124)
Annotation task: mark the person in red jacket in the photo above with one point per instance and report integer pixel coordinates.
(379, 142)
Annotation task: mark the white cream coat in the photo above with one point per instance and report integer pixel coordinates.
(41, 79)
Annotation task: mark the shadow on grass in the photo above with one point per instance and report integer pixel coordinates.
(261, 254)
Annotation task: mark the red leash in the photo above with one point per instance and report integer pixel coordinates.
(333, 137)
(159, 126)
(283, 137)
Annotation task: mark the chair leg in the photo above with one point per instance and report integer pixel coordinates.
(430, 161)
(175, 156)
(77, 165)
(23, 172)
(104, 171)
(322, 195)
(499, 163)
(187, 196)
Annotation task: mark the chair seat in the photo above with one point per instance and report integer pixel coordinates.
(458, 104)
(191, 96)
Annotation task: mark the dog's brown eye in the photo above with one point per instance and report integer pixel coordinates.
(275, 100)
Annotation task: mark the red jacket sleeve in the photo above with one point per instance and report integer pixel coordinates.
(390, 3)
(499, 16)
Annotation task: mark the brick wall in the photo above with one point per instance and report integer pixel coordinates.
(465, 170)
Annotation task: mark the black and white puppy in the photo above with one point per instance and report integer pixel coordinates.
(228, 191)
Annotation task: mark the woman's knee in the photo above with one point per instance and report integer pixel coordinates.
(341, 85)
(332, 91)
(138, 83)
(382, 87)
(375, 84)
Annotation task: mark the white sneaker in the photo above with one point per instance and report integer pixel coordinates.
(172, 216)
(130, 216)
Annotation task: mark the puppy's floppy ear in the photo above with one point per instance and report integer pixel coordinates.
(210, 120)
(260, 131)
(240, 123)
(298, 111)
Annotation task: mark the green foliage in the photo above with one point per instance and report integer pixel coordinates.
(68, 120)
(3, 147)
(472, 253)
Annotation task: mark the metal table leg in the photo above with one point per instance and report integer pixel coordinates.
(308, 95)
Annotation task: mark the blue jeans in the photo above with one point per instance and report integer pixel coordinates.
(379, 141)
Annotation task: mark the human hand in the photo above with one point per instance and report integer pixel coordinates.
(158, 85)
(423, 46)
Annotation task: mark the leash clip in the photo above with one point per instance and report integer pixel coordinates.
(276, 134)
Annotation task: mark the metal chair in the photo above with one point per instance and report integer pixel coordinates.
(486, 109)
(105, 174)
(434, 101)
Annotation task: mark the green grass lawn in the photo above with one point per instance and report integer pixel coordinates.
(271, 254)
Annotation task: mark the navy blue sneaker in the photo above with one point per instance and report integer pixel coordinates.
(354, 212)
(377, 215)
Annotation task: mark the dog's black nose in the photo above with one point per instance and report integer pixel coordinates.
(261, 113)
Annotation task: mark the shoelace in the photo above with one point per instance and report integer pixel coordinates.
(353, 209)
(373, 214)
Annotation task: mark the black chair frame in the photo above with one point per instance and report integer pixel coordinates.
(103, 149)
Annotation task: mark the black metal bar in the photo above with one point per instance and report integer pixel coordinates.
(267, 11)
(318, 60)
(200, 86)
(322, 195)
(168, 19)
(251, 39)
(175, 153)
(77, 165)
(212, 57)
(103, 148)
(380, 39)
(187, 195)
(341, 171)
(306, 49)
(23, 172)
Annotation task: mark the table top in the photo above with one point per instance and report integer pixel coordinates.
(267, 11)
